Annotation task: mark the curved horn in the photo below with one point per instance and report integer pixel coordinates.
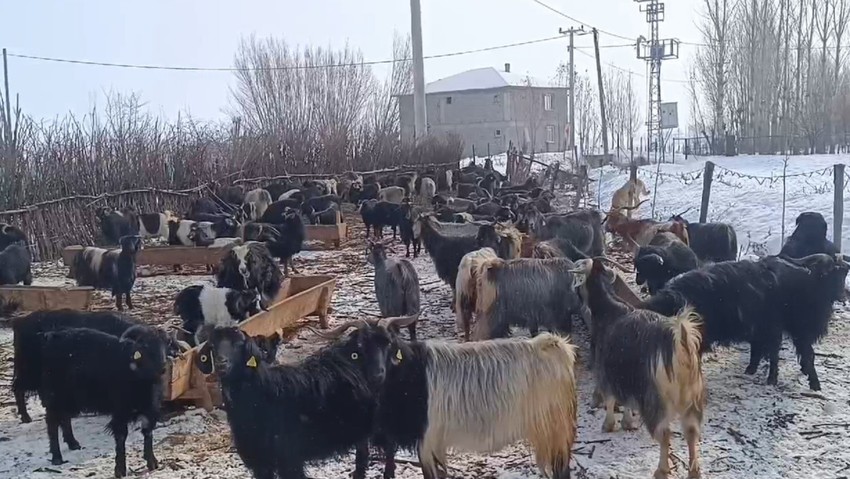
(611, 261)
(629, 208)
(400, 321)
(339, 330)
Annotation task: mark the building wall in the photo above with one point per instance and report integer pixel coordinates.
(495, 117)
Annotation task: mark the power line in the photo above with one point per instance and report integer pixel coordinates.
(555, 10)
(671, 80)
(296, 67)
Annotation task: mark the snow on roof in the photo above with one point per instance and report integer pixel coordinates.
(483, 79)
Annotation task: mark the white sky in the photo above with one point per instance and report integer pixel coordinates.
(206, 32)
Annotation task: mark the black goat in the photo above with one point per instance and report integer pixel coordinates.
(15, 265)
(809, 237)
(115, 224)
(582, 228)
(277, 189)
(410, 229)
(208, 206)
(202, 304)
(277, 211)
(665, 257)
(251, 267)
(320, 203)
(88, 371)
(329, 216)
(712, 242)
(10, 235)
(378, 214)
(109, 269)
(279, 414)
(396, 285)
(755, 302)
(28, 344)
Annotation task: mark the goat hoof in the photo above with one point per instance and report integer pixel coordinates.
(694, 474)
(814, 385)
(772, 380)
(609, 426)
(120, 471)
(751, 370)
(57, 461)
(152, 464)
(25, 418)
(659, 474)
(74, 446)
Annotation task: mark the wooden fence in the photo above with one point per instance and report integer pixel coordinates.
(52, 225)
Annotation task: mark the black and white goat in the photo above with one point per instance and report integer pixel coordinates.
(396, 285)
(255, 204)
(251, 267)
(283, 239)
(187, 233)
(115, 224)
(88, 371)
(155, 225)
(392, 194)
(647, 362)
(522, 389)
(205, 304)
(113, 269)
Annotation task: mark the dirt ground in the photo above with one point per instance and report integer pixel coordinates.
(751, 429)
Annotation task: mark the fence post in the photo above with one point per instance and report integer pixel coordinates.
(838, 206)
(706, 190)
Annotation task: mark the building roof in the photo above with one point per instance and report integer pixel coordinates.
(484, 79)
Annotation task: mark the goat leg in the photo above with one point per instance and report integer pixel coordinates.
(147, 432)
(129, 302)
(119, 432)
(691, 426)
(663, 437)
(610, 420)
(361, 460)
(807, 364)
(68, 435)
(630, 419)
(412, 330)
(773, 356)
(53, 437)
(755, 358)
(292, 265)
(21, 402)
(390, 449)
(118, 305)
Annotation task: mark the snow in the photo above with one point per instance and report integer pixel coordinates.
(483, 79)
(751, 429)
(753, 206)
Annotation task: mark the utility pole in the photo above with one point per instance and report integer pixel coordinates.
(571, 99)
(653, 52)
(601, 94)
(420, 123)
(8, 122)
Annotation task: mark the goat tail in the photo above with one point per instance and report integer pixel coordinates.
(687, 367)
(486, 290)
(466, 286)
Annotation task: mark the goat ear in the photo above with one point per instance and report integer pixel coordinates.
(204, 359)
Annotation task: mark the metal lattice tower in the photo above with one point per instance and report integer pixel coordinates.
(654, 52)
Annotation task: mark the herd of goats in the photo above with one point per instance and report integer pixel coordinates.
(372, 386)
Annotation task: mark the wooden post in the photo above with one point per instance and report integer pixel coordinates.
(8, 100)
(555, 170)
(706, 191)
(603, 118)
(838, 206)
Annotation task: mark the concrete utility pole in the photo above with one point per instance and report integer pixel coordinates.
(603, 117)
(572, 97)
(420, 123)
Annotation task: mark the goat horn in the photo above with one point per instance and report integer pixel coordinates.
(339, 330)
(400, 321)
(629, 208)
(611, 261)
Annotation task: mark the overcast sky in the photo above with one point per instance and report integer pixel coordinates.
(205, 33)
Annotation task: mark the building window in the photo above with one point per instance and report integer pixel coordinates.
(498, 133)
(547, 102)
(448, 100)
(497, 99)
(550, 134)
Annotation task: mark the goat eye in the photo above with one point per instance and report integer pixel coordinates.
(354, 356)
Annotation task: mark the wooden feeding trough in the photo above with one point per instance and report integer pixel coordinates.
(299, 297)
(37, 298)
(165, 255)
(330, 235)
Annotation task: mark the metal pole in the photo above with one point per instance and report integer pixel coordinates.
(419, 114)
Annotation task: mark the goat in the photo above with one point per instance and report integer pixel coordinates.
(396, 285)
(256, 202)
(251, 266)
(283, 239)
(16, 265)
(89, 371)
(639, 233)
(410, 229)
(427, 190)
(319, 203)
(523, 389)
(109, 269)
(277, 211)
(27, 344)
(582, 228)
(378, 214)
(187, 233)
(466, 286)
(115, 224)
(525, 292)
(809, 237)
(278, 414)
(153, 225)
(505, 240)
(628, 196)
(207, 206)
(647, 362)
(392, 194)
(205, 304)
(407, 182)
(10, 235)
(233, 195)
(277, 189)
(465, 190)
(712, 242)
(665, 257)
(557, 247)
(329, 216)
(294, 193)
(755, 302)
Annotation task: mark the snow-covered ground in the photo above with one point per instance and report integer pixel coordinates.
(751, 429)
(753, 206)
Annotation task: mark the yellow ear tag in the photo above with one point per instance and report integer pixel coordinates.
(398, 355)
(137, 356)
(252, 363)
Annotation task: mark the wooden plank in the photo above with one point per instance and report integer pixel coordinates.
(300, 296)
(37, 298)
(165, 255)
(331, 235)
